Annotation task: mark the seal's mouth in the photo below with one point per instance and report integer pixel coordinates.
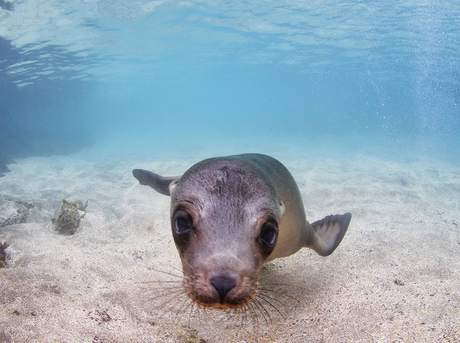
(221, 292)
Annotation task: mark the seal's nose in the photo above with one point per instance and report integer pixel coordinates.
(223, 285)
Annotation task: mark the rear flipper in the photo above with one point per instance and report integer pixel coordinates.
(329, 232)
(157, 182)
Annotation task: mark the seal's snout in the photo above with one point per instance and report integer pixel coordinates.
(223, 289)
(223, 285)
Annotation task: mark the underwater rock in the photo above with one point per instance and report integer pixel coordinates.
(13, 211)
(68, 220)
(3, 246)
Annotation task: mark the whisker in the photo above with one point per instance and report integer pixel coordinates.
(172, 287)
(264, 298)
(191, 305)
(169, 301)
(171, 295)
(242, 314)
(247, 315)
(161, 293)
(191, 267)
(262, 310)
(254, 314)
(204, 310)
(276, 292)
(275, 284)
(180, 306)
(167, 273)
(174, 267)
(284, 285)
(272, 298)
(160, 288)
(159, 296)
(159, 281)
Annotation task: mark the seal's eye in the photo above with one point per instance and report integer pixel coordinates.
(183, 224)
(269, 235)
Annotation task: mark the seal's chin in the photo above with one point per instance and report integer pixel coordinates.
(221, 292)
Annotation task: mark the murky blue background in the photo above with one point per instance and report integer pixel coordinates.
(172, 76)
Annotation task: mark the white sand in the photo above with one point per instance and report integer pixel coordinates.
(394, 278)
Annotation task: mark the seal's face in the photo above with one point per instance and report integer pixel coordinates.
(225, 227)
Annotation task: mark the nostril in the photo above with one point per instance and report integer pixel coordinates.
(223, 285)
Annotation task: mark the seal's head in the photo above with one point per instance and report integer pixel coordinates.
(224, 222)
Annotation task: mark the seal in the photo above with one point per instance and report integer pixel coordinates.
(229, 215)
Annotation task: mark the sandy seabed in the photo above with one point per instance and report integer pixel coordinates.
(394, 278)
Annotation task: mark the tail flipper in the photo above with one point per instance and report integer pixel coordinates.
(329, 233)
(157, 182)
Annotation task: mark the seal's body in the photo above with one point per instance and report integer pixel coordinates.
(229, 215)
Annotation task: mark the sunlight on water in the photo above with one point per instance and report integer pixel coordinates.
(377, 74)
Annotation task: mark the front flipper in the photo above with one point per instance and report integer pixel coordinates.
(157, 182)
(329, 232)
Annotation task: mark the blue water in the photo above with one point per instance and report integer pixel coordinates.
(155, 77)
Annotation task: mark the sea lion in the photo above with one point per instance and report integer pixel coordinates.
(229, 215)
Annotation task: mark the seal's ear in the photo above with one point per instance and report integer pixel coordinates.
(159, 183)
(328, 233)
(282, 208)
(172, 186)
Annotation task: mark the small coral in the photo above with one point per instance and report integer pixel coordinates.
(68, 220)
